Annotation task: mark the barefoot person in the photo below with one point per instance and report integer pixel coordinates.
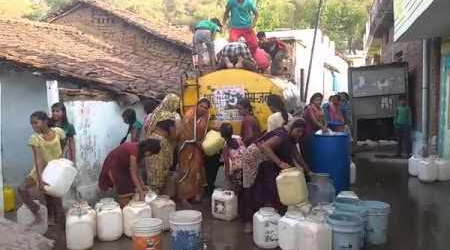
(191, 172)
(121, 169)
(45, 146)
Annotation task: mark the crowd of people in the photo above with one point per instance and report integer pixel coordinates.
(246, 49)
(168, 142)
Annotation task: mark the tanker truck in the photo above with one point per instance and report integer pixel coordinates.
(225, 87)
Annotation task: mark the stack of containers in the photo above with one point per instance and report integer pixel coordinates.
(429, 169)
(374, 218)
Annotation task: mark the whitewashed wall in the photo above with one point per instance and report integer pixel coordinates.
(99, 128)
(324, 52)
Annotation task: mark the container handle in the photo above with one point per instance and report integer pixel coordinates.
(230, 193)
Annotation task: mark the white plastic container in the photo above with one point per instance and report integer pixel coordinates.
(134, 211)
(428, 171)
(59, 175)
(413, 165)
(291, 187)
(25, 217)
(104, 201)
(109, 222)
(224, 204)
(352, 173)
(288, 230)
(90, 212)
(265, 228)
(443, 169)
(79, 230)
(314, 234)
(162, 207)
(149, 197)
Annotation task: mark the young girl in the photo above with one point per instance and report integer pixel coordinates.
(59, 119)
(134, 126)
(45, 146)
(231, 156)
(121, 169)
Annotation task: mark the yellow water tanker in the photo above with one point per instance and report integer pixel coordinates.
(225, 87)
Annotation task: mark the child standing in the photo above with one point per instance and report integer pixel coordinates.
(59, 119)
(402, 124)
(134, 126)
(231, 156)
(45, 145)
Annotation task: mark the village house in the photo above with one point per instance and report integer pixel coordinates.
(42, 63)
(132, 34)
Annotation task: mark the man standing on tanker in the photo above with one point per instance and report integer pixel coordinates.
(243, 17)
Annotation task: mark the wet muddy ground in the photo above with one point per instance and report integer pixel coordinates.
(419, 219)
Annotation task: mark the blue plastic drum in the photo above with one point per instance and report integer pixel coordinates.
(330, 154)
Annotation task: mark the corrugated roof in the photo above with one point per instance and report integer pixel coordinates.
(177, 35)
(69, 52)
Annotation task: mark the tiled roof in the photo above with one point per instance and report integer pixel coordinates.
(71, 53)
(177, 35)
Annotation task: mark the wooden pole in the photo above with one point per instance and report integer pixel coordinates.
(319, 11)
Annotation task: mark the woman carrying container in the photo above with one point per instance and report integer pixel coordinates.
(261, 164)
(191, 171)
(280, 116)
(121, 169)
(45, 146)
(250, 130)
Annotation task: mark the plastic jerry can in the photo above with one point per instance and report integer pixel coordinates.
(291, 187)
(109, 222)
(265, 228)
(79, 231)
(224, 204)
(135, 211)
(162, 207)
(59, 175)
(9, 197)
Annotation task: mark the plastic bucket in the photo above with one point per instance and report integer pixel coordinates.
(147, 234)
(378, 222)
(186, 230)
(357, 210)
(347, 230)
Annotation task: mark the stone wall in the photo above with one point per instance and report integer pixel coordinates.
(133, 41)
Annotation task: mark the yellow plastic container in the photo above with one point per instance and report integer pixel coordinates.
(9, 197)
(212, 143)
(291, 187)
(225, 87)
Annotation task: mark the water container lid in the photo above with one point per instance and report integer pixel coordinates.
(147, 225)
(376, 207)
(334, 134)
(343, 219)
(267, 210)
(294, 215)
(185, 217)
(163, 197)
(138, 203)
(346, 200)
(79, 211)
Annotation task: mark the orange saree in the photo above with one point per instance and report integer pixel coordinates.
(191, 171)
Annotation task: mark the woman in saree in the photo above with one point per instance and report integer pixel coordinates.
(191, 172)
(261, 164)
(161, 128)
